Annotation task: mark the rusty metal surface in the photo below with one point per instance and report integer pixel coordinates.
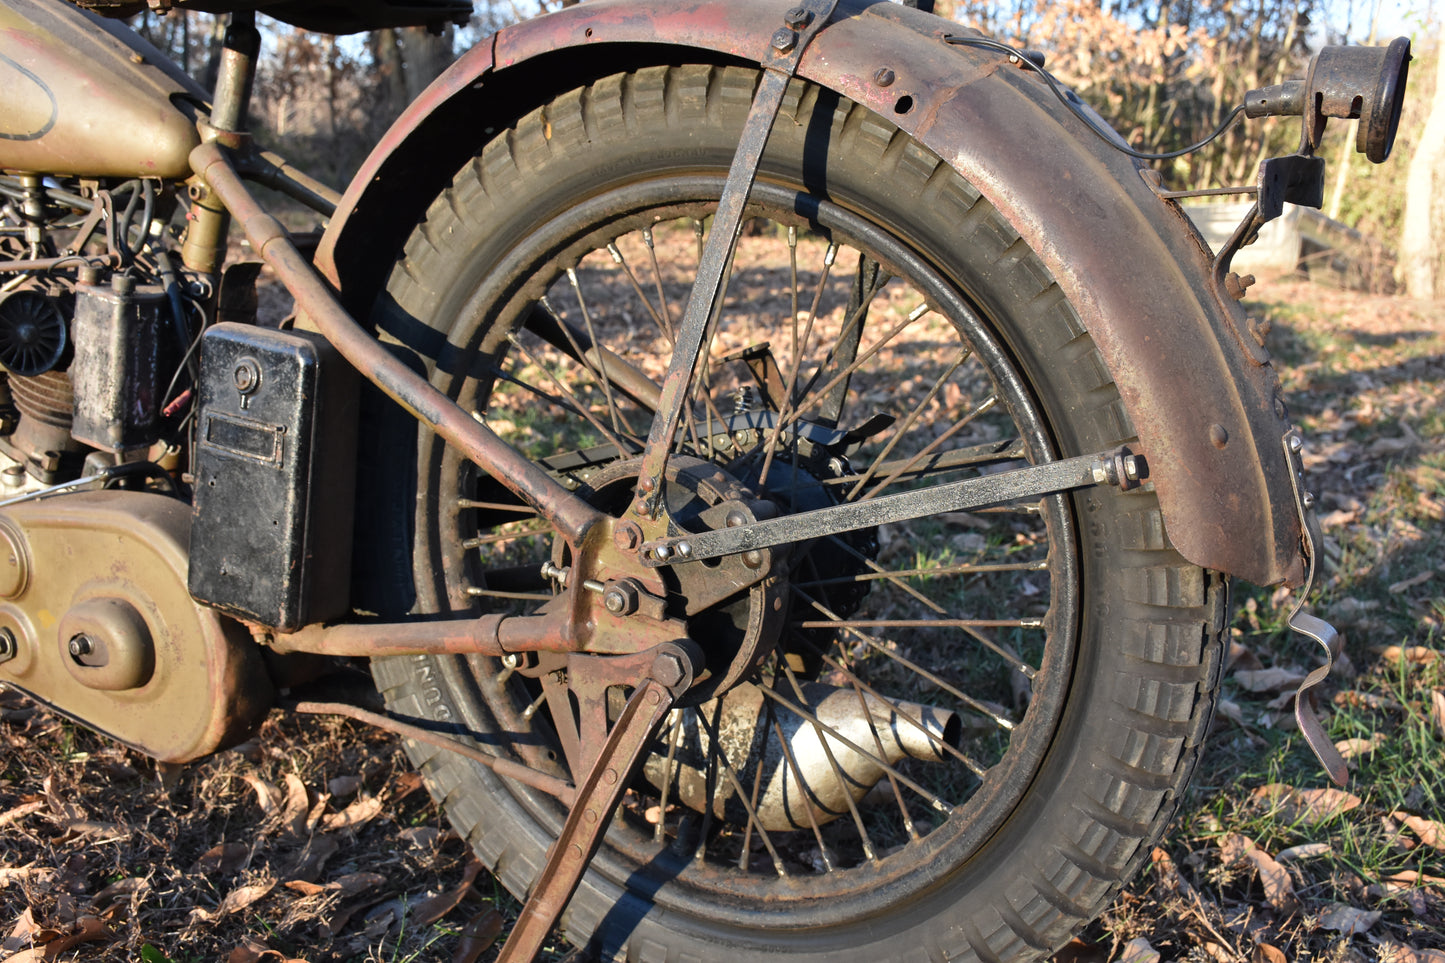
(67, 74)
(105, 630)
(269, 239)
(617, 762)
(1135, 270)
(506, 768)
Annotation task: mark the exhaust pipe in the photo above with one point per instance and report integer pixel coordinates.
(812, 767)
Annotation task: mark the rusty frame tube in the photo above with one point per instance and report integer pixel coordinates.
(506, 768)
(491, 635)
(569, 514)
(45, 264)
(1206, 408)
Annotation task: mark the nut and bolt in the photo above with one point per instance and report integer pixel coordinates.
(1235, 284)
(785, 40)
(81, 646)
(627, 536)
(555, 574)
(798, 17)
(668, 669)
(9, 648)
(621, 597)
(512, 660)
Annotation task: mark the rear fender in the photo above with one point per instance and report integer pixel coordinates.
(1202, 397)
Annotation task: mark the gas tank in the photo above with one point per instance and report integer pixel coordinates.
(81, 95)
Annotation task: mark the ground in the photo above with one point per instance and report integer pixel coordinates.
(315, 841)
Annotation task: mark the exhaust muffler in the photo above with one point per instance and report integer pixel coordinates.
(785, 764)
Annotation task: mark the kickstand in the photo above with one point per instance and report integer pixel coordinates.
(670, 674)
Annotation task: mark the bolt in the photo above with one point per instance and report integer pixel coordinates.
(1308, 498)
(621, 597)
(684, 550)
(736, 519)
(668, 669)
(753, 559)
(663, 553)
(1131, 467)
(1218, 436)
(247, 376)
(785, 40)
(1296, 443)
(81, 646)
(512, 660)
(8, 647)
(884, 77)
(798, 18)
(627, 536)
(646, 484)
(1235, 285)
(50, 461)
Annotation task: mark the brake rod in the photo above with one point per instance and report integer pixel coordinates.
(1119, 467)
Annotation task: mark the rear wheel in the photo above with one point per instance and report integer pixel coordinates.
(955, 736)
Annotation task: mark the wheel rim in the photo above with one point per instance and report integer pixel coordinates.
(952, 612)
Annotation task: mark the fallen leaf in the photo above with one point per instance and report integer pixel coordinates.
(357, 814)
(87, 929)
(1431, 833)
(478, 936)
(344, 785)
(354, 884)
(1138, 950)
(1274, 878)
(267, 796)
(1391, 952)
(241, 897)
(1355, 748)
(1365, 700)
(1417, 654)
(1437, 699)
(1348, 920)
(1406, 584)
(1231, 711)
(428, 911)
(1241, 657)
(1304, 805)
(1409, 877)
(24, 874)
(422, 837)
(296, 807)
(305, 888)
(1303, 851)
(1264, 953)
(1268, 680)
(121, 889)
(223, 859)
(22, 932)
(312, 859)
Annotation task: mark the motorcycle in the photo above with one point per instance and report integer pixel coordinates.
(783, 466)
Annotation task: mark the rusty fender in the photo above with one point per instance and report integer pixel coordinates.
(1201, 395)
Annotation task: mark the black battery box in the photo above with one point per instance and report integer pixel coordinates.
(275, 471)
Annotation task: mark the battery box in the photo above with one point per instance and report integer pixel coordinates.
(275, 470)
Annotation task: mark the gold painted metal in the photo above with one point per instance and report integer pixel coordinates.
(156, 671)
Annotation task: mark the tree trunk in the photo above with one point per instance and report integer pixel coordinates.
(1420, 247)
(386, 59)
(426, 55)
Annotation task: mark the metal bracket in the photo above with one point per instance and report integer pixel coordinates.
(1119, 467)
(1312, 626)
(627, 745)
(800, 25)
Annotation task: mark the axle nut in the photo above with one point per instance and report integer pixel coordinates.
(668, 669)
